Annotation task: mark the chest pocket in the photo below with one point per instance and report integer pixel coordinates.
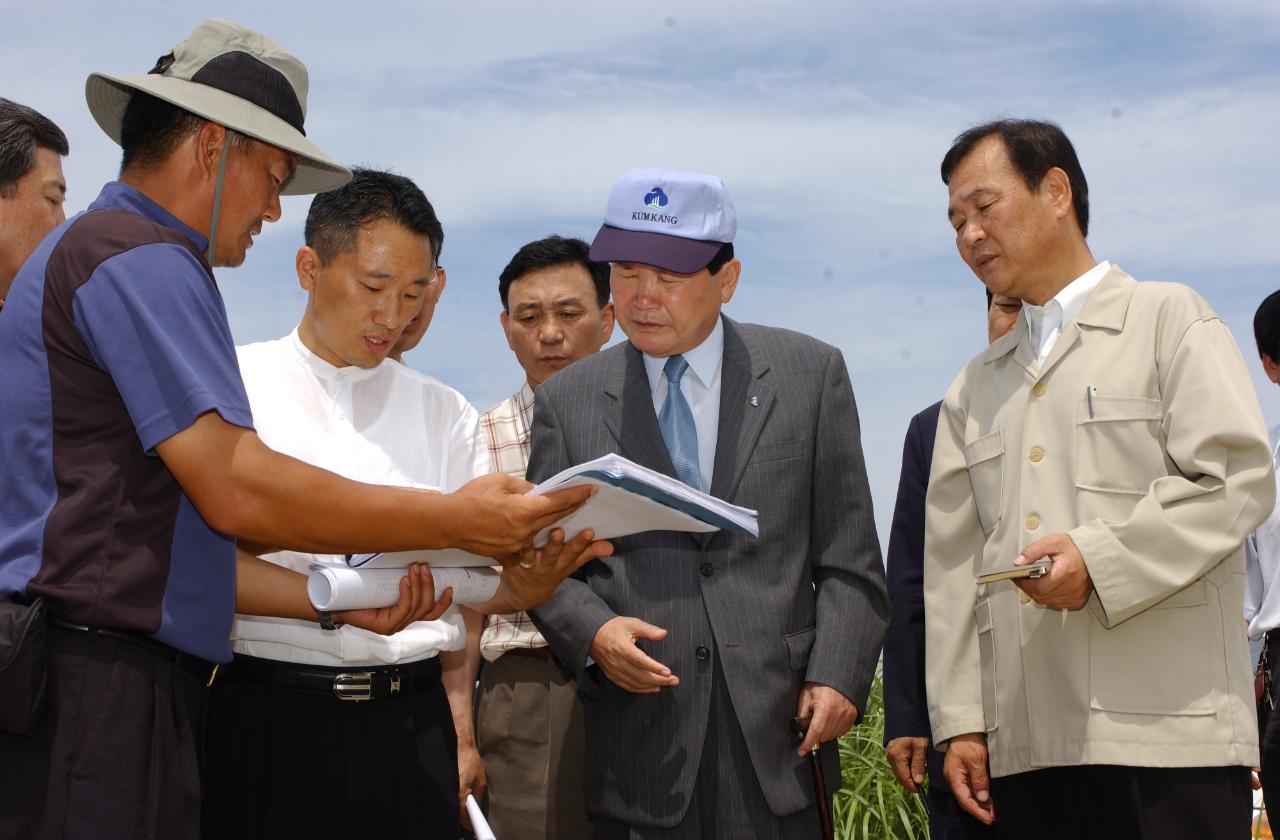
(985, 459)
(1118, 446)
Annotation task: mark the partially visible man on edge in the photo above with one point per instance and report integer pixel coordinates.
(117, 349)
(32, 188)
(694, 652)
(1114, 699)
(908, 740)
(326, 395)
(1262, 586)
(555, 311)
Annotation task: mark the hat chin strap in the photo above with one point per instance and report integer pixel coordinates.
(217, 194)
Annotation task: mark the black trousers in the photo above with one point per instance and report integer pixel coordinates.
(1269, 735)
(288, 762)
(1102, 802)
(117, 753)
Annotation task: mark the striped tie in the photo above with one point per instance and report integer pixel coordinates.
(678, 429)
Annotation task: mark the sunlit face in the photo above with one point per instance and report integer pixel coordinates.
(250, 196)
(553, 318)
(418, 324)
(1005, 232)
(1002, 316)
(34, 209)
(664, 313)
(364, 297)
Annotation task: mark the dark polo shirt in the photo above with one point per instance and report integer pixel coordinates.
(113, 339)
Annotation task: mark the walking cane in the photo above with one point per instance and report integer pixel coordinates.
(800, 726)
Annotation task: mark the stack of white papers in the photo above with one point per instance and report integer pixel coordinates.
(630, 499)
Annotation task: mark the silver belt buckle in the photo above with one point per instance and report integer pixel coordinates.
(355, 687)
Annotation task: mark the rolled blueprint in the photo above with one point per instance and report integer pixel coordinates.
(478, 823)
(339, 588)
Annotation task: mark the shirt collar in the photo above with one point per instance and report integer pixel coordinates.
(1071, 299)
(704, 360)
(327, 372)
(119, 196)
(523, 399)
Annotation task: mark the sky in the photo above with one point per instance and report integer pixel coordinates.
(827, 121)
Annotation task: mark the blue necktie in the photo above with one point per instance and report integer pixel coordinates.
(678, 429)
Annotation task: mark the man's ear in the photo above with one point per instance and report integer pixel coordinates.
(505, 318)
(209, 142)
(1057, 187)
(1271, 368)
(728, 279)
(307, 264)
(606, 323)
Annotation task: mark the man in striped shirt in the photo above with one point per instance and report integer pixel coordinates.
(555, 310)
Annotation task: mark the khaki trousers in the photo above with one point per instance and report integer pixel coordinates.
(529, 731)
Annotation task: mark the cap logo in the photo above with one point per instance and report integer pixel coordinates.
(655, 199)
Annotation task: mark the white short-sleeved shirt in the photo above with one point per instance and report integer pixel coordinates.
(384, 425)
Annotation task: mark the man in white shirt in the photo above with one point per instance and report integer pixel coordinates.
(555, 311)
(1261, 595)
(288, 754)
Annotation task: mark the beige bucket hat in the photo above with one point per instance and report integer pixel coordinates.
(237, 78)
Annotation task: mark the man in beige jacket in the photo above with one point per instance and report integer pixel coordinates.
(1115, 432)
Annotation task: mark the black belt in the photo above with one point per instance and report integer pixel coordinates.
(201, 669)
(343, 683)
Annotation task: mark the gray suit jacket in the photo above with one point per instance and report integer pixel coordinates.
(803, 602)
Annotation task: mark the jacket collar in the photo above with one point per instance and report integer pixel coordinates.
(1105, 308)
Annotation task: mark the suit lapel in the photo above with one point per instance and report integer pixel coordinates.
(746, 400)
(630, 418)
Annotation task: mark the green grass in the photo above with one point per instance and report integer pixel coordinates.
(871, 805)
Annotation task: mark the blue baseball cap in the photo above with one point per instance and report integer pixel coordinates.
(666, 218)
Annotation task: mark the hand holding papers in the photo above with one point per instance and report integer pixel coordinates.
(629, 499)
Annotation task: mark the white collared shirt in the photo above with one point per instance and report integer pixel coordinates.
(700, 385)
(383, 425)
(1046, 323)
(1261, 563)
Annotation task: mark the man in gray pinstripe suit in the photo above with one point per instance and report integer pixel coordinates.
(693, 652)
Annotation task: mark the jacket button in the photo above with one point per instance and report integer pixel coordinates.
(1037, 454)
(702, 652)
(1038, 389)
(1033, 522)
(707, 569)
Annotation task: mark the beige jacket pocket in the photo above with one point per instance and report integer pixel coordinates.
(1118, 444)
(987, 656)
(1156, 663)
(984, 458)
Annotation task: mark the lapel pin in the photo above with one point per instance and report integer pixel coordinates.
(755, 402)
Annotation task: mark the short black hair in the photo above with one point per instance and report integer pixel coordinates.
(721, 258)
(1034, 147)
(553, 251)
(1266, 327)
(22, 131)
(151, 129)
(335, 217)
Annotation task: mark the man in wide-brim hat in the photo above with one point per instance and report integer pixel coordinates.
(117, 350)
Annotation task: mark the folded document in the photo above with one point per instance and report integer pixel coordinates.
(631, 499)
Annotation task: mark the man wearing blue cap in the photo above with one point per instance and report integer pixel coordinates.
(694, 651)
